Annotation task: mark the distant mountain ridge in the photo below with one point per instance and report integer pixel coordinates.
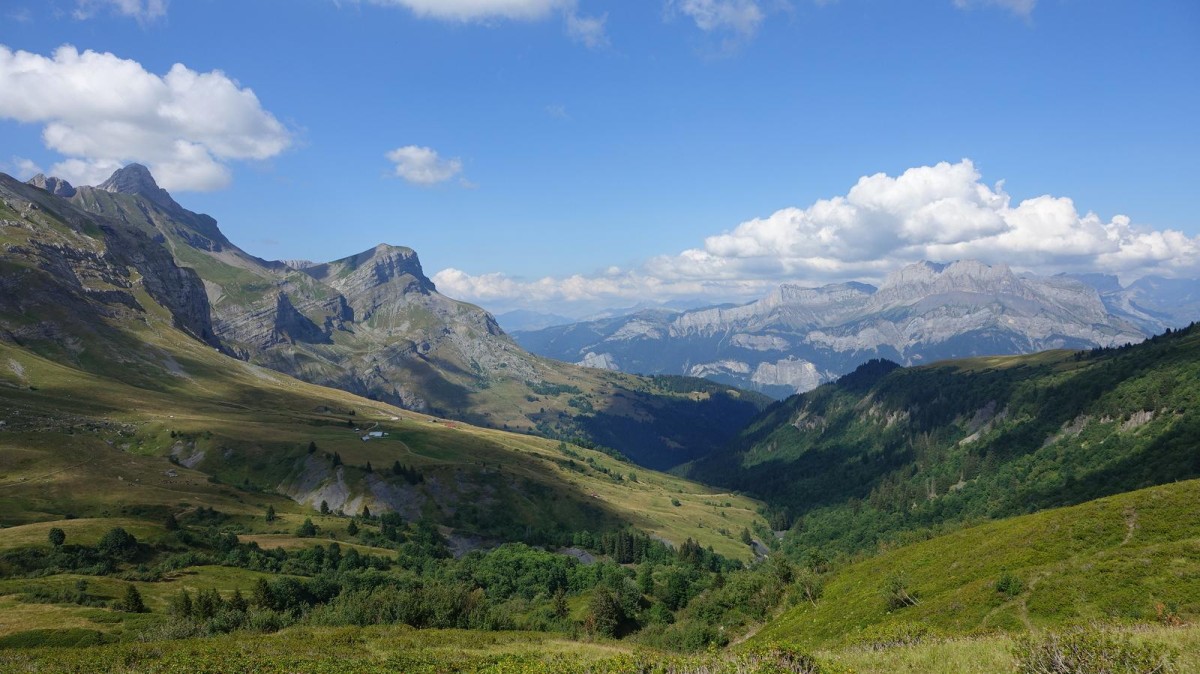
(797, 337)
(372, 324)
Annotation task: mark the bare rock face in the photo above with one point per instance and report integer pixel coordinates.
(136, 179)
(56, 186)
(600, 361)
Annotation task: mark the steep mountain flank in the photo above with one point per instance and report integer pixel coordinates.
(114, 400)
(70, 277)
(375, 325)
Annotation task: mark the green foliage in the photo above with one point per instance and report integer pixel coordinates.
(118, 544)
(1009, 584)
(605, 613)
(1127, 559)
(410, 474)
(57, 536)
(1090, 651)
(548, 389)
(389, 650)
(889, 455)
(55, 638)
(181, 604)
(132, 602)
(307, 529)
(898, 594)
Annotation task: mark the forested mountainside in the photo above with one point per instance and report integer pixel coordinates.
(887, 454)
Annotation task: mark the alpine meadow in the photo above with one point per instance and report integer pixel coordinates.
(558, 336)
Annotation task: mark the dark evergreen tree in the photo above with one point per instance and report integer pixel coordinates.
(308, 529)
(132, 601)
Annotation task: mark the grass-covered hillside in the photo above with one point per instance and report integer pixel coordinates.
(215, 432)
(1129, 559)
(891, 454)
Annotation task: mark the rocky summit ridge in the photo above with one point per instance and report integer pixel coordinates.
(136, 179)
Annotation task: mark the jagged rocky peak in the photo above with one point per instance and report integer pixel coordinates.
(922, 279)
(56, 186)
(136, 179)
(373, 268)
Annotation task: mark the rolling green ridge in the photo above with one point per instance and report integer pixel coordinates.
(1128, 559)
(83, 445)
(888, 455)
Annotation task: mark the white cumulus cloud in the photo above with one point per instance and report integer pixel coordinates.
(142, 10)
(101, 112)
(942, 212)
(739, 16)
(588, 30)
(477, 10)
(1019, 7)
(422, 165)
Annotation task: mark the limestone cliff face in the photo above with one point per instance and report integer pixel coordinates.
(56, 186)
(176, 288)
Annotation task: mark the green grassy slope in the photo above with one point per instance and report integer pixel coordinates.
(889, 454)
(89, 446)
(1126, 559)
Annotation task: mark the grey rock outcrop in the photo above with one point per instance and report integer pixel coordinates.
(56, 186)
(136, 179)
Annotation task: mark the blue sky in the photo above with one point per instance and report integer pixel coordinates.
(571, 154)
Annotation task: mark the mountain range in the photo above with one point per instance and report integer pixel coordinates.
(371, 324)
(797, 338)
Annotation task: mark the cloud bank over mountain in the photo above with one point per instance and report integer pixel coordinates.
(101, 112)
(940, 212)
